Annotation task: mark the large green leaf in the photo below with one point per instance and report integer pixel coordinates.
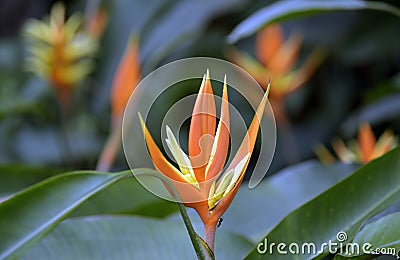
(383, 233)
(17, 177)
(344, 207)
(288, 9)
(30, 214)
(127, 196)
(123, 237)
(119, 198)
(255, 212)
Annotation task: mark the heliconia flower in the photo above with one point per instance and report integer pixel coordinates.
(362, 151)
(277, 57)
(61, 51)
(200, 180)
(125, 80)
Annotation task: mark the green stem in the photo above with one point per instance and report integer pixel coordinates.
(209, 235)
(203, 252)
(64, 137)
(192, 233)
(111, 148)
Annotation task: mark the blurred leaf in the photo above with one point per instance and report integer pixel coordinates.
(371, 40)
(255, 212)
(383, 233)
(119, 237)
(29, 215)
(127, 196)
(17, 177)
(344, 207)
(287, 9)
(83, 141)
(185, 20)
(127, 18)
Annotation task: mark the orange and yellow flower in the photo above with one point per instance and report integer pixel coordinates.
(61, 51)
(276, 58)
(125, 80)
(362, 151)
(200, 180)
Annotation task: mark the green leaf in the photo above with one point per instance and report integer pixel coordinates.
(29, 215)
(16, 177)
(173, 33)
(344, 207)
(288, 9)
(383, 233)
(127, 196)
(258, 210)
(128, 237)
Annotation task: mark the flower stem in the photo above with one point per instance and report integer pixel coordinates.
(202, 249)
(192, 234)
(110, 150)
(65, 144)
(209, 235)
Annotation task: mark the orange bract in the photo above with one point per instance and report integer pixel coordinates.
(126, 78)
(268, 42)
(366, 142)
(202, 128)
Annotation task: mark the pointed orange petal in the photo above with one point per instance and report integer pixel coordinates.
(221, 141)
(159, 161)
(245, 148)
(386, 142)
(268, 42)
(249, 64)
(297, 78)
(202, 129)
(286, 57)
(366, 142)
(249, 140)
(126, 78)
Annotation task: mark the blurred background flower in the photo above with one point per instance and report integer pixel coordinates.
(363, 150)
(60, 51)
(276, 59)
